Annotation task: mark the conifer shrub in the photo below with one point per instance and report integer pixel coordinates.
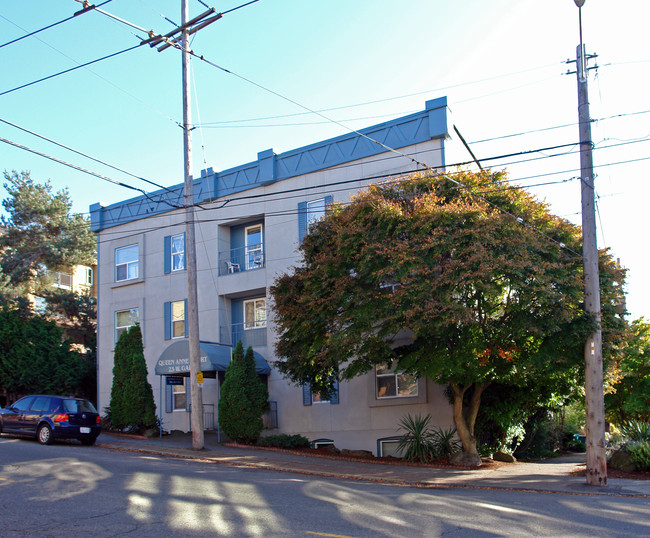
(244, 398)
(132, 403)
(284, 440)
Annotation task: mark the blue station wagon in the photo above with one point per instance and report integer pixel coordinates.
(52, 417)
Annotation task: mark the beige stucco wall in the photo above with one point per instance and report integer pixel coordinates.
(359, 419)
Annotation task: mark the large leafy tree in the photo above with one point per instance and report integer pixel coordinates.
(629, 397)
(244, 398)
(39, 233)
(132, 402)
(466, 282)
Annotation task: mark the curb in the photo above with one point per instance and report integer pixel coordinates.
(376, 480)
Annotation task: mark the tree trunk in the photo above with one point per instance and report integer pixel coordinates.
(465, 424)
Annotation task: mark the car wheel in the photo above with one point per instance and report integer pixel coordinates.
(45, 434)
(88, 441)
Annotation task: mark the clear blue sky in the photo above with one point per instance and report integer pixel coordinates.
(500, 63)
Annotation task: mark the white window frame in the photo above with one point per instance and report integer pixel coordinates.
(255, 323)
(314, 211)
(179, 255)
(176, 319)
(255, 252)
(178, 390)
(128, 264)
(397, 376)
(89, 276)
(121, 328)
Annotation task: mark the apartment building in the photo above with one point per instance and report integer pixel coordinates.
(249, 222)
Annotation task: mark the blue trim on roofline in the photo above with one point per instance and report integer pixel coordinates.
(415, 128)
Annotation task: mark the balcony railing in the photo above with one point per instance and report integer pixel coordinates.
(249, 336)
(241, 259)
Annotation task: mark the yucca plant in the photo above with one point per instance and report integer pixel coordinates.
(444, 443)
(636, 431)
(417, 444)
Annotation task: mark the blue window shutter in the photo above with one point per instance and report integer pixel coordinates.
(334, 396)
(306, 394)
(237, 317)
(185, 317)
(168, 319)
(167, 243)
(302, 220)
(169, 398)
(188, 395)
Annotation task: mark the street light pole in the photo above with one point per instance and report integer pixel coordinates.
(594, 397)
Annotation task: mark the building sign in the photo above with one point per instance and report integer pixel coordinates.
(175, 380)
(179, 366)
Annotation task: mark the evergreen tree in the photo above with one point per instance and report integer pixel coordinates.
(34, 358)
(244, 398)
(39, 234)
(132, 402)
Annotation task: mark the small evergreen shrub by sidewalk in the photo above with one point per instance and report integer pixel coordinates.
(284, 440)
(640, 452)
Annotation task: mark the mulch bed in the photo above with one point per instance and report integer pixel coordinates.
(615, 473)
(330, 454)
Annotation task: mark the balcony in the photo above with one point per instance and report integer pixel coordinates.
(249, 336)
(237, 260)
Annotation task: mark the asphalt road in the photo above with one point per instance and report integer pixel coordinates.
(70, 490)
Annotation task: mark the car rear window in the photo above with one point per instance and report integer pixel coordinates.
(78, 406)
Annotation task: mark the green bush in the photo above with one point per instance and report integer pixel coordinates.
(244, 398)
(640, 452)
(575, 445)
(284, 440)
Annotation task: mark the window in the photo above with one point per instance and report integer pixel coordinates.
(309, 397)
(174, 253)
(254, 313)
(178, 252)
(178, 319)
(254, 251)
(177, 394)
(175, 317)
(394, 384)
(126, 263)
(310, 212)
(63, 280)
(125, 319)
(315, 211)
(179, 397)
(88, 274)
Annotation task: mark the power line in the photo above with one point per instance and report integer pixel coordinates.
(46, 27)
(89, 172)
(112, 55)
(83, 154)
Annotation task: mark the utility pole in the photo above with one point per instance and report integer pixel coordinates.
(594, 397)
(196, 389)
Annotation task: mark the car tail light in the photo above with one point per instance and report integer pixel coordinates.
(61, 417)
(99, 420)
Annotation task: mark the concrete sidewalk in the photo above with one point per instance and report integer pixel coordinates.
(552, 476)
